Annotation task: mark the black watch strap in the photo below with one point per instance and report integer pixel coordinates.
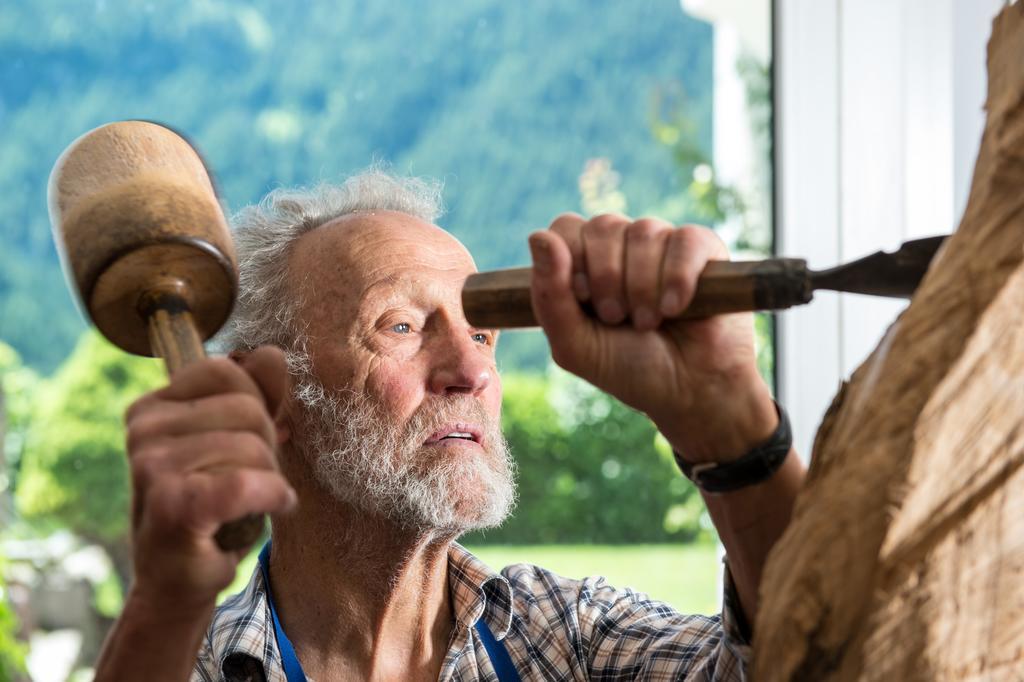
(754, 467)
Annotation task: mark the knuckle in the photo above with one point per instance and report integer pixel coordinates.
(605, 225)
(241, 483)
(137, 407)
(249, 409)
(568, 226)
(222, 371)
(692, 234)
(567, 220)
(143, 428)
(697, 236)
(253, 449)
(147, 465)
(644, 229)
(688, 232)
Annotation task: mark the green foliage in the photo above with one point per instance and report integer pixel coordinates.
(109, 596)
(590, 469)
(74, 469)
(764, 338)
(523, 350)
(12, 652)
(506, 101)
(685, 576)
(17, 384)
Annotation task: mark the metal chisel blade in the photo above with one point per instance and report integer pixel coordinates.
(895, 274)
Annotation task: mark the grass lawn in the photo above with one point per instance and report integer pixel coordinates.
(685, 576)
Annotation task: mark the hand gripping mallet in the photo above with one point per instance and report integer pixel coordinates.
(146, 249)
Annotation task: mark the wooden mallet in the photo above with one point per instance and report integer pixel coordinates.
(146, 250)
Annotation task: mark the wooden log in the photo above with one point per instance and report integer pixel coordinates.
(905, 556)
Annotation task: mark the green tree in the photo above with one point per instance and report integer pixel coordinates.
(17, 386)
(504, 101)
(12, 652)
(74, 471)
(590, 469)
(15, 381)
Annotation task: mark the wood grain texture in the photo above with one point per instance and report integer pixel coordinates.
(145, 246)
(905, 557)
(173, 337)
(132, 205)
(501, 299)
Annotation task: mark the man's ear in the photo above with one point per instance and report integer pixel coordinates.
(282, 424)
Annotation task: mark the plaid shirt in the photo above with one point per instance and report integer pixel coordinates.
(552, 627)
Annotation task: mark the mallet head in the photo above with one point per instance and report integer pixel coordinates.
(135, 218)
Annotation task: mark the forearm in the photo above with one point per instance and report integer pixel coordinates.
(158, 643)
(750, 521)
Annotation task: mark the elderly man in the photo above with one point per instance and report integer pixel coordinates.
(387, 448)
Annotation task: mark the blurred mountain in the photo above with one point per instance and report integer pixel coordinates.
(506, 101)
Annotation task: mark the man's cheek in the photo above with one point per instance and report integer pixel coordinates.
(399, 394)
(495, 395)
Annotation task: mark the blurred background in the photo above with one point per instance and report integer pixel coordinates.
(524, 110)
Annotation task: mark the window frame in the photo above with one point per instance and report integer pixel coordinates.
(878, 115)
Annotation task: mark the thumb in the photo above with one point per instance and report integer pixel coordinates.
(554, 302)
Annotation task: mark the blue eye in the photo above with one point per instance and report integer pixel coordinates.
(401, 328)
(481, 338)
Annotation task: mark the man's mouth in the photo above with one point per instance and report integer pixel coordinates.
(456, 432)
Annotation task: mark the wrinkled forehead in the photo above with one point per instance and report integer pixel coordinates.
(344, 258)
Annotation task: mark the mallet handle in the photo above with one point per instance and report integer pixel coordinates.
(173, 336)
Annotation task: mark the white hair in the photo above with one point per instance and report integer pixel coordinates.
(264, 233)
(354, 451)
(363, 458)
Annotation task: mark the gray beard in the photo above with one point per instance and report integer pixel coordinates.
(365, 460)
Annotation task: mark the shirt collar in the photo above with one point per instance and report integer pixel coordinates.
(243, 627)
(247, 630)
(478, 591)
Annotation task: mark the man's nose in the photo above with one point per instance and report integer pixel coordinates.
(460, 365)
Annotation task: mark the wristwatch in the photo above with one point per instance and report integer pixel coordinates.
(754, 467)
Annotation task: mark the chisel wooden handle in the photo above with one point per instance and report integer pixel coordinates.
(501, 299)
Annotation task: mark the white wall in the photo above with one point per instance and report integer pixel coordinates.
(878, 119)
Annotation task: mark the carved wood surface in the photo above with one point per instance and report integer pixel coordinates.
(905, 557)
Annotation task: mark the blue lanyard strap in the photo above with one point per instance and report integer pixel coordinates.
(497, 652)
(289, 661)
